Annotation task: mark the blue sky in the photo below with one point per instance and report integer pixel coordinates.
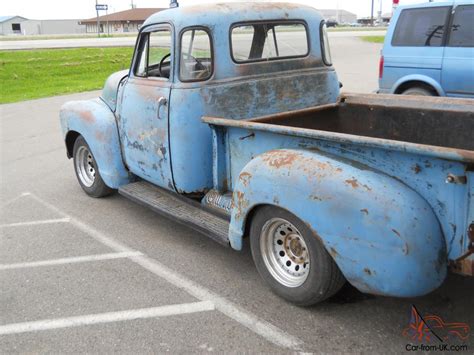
(80, 9)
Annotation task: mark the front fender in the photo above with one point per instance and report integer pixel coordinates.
(94, 120)
(384, 236)
(421, 78)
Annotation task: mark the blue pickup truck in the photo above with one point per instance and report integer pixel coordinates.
(230, 121)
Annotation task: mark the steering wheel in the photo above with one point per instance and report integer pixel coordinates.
(162, 61)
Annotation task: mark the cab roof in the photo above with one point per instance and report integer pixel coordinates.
(228, 13)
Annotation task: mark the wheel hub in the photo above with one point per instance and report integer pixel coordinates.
(284, 252)
(85, 166)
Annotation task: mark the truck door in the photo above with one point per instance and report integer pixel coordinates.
(458, 62)
(143, 113)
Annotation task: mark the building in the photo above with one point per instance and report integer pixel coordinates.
(17, 25)
(339, 16)
(120, 22)
(10, 25)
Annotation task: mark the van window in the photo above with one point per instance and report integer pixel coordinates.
(462, 29)
(269, 41)
(423, 27)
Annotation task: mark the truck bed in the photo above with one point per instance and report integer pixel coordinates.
(428, 121)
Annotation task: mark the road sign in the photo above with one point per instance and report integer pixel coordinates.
(101, 7)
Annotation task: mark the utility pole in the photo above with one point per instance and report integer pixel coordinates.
(372, 14)
(97, 11)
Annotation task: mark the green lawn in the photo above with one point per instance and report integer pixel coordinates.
(374, 39)
(32, 74)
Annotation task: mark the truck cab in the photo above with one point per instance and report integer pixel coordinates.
(234, 60)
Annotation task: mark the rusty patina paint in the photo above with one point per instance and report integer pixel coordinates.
(353, 182)
(280, 159)
(245, 178)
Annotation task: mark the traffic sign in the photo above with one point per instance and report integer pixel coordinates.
(101, 7)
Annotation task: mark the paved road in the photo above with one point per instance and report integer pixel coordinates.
(124, 41)
(114, 276)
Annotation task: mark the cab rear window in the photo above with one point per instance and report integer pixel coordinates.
(262, 41)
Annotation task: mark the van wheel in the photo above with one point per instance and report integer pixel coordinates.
(419, 91)
(86, 170)
(291, 259)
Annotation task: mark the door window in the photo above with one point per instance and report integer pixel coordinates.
(423, 27)
(462, 28)
(154, 55)
(196, 56)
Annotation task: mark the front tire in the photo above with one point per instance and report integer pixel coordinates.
(87, 172)
(291, 259)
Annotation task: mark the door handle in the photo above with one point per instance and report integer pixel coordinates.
(161, 102)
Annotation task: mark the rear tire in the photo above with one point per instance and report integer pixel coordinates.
(291, 258)
(87, 172)
(419, 91)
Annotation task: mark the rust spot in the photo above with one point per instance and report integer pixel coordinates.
(365, 210)
(353, 183)
(316, 198)
(280, 159)
(245, 178)
(368, 272)
(333, 252)
(276, 200)
(416, 168)
(242, 203)
(463, 267)
(100, 136)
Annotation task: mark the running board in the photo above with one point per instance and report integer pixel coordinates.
(178, 208)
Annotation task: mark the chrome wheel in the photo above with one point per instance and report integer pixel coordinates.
(284, 252)
(85, 166)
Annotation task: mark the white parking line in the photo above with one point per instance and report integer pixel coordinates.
(268, 331)
(34, 223)
(109, 317)
(72, 260)
(6, 203)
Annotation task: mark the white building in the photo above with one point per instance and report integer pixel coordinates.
(10, 25)
(17, 25)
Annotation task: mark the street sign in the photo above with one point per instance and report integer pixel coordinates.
(101, 7)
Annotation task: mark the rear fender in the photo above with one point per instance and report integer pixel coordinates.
(94, 120)
(384, 236)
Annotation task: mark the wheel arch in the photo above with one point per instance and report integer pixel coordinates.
(351, 210)
(95, 122)
(417, 80)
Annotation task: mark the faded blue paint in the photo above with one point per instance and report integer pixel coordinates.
(96, 123)
(384, 236)
(356, 193)
(381, 207)
(109, 93)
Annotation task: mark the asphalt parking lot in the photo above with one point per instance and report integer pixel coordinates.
(99, 275)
